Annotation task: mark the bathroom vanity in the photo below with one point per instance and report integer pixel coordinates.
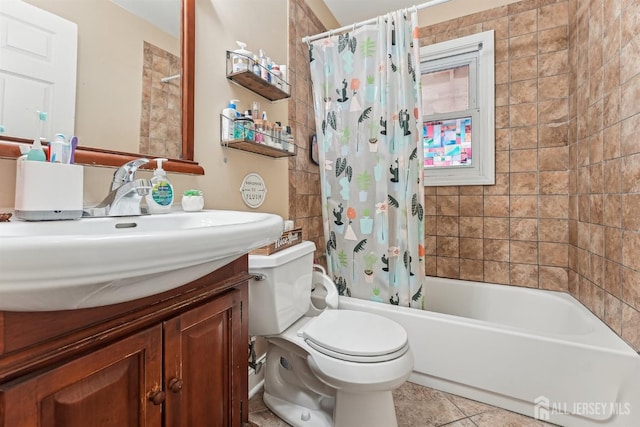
(178, 358)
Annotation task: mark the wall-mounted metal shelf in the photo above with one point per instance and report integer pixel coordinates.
(273, 88)
(245, 140)
(254, 147)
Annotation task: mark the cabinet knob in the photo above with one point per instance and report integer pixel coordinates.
(157, 396)
(175, 385)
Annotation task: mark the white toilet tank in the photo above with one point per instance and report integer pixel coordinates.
(284, 295)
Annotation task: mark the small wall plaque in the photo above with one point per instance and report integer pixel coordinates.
(253, 190)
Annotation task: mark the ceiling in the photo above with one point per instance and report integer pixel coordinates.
(349, 11)
(164, 14)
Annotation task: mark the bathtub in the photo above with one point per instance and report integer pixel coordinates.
(539, 353)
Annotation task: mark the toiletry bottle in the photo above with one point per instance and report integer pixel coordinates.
(228, 120)
(255, 67)
(160, 199)
(264, 66)
(60, 149)
(241, 58)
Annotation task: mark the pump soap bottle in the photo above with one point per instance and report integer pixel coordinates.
(160, 199)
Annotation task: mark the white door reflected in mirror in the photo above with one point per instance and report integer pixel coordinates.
(38, 62)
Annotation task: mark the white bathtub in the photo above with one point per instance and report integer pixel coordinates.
(536, 352)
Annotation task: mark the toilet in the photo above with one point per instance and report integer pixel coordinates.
(325, 367)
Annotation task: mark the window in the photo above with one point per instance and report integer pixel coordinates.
(457, 78)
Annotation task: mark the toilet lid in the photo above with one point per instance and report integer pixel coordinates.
(356, 335)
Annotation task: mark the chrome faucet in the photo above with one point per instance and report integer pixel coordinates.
(126, 192)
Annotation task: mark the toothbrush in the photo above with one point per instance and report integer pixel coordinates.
(74, 145)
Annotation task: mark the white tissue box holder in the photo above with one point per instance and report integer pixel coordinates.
(48, 191)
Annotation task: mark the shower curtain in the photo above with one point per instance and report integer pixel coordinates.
(367, 101)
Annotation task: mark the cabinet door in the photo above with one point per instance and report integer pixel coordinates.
(109, 387)
(206, 364)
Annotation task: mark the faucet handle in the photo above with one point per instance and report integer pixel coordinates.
(126, 172)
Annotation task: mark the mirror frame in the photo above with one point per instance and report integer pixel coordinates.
(92, 156)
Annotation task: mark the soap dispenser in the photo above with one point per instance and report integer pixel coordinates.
(160, 199)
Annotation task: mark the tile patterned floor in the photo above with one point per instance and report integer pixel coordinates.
(418, 406)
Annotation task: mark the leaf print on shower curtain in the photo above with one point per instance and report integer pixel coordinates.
(367, 105)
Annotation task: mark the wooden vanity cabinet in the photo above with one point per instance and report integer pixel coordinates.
(174, 360)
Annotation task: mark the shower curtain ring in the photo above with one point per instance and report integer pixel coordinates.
(354, 27)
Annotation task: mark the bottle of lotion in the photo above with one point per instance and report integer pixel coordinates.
(160, 199)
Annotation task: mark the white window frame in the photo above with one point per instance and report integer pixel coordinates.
(476, 50)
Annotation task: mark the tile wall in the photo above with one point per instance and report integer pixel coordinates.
(604, 153)
(161, 115)
(563, 214)
(305, 206)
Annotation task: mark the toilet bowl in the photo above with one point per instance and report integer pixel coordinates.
(325, 367)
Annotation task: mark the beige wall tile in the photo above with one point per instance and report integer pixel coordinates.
(496, 250)
(524, 275)
(631, 326)
(524, 91)
(554, 207)
(556, 182)
(553, 63)
(523, 115)
(629, 144)
(631, 212)
(631, 287)
(472, 269)
(613, 244)
(496, 228)
(631, 249)
(554, 278)
(447, 205)
(496, 272)
(553, 87)
(524, 45)
(523, 206)
(472, 227)
(448, 267)
(523, 252)
(523, 229)
(447, 246)
(554, 158)
(554, 254)
(519, 69)
(471, 205)
(500, 188)
(613, 313)
(553, 15)
(524, 137)
(447, 226)
(613, 273)
(553, 134)
(612, 210)
(523, 23)
(553, 39)
(524, 183)
(471, 248)
(523, 160)
(497, 206)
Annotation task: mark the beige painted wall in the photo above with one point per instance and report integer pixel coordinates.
(218, 25)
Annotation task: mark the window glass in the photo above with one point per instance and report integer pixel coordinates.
(445, 91)
(447, 142)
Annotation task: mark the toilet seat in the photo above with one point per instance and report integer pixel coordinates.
(355, 336)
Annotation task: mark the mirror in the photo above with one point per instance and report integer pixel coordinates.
(113, 149)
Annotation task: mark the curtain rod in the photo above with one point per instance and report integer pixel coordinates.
(309, 39)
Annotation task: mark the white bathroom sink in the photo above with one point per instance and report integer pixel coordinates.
(91, 262)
